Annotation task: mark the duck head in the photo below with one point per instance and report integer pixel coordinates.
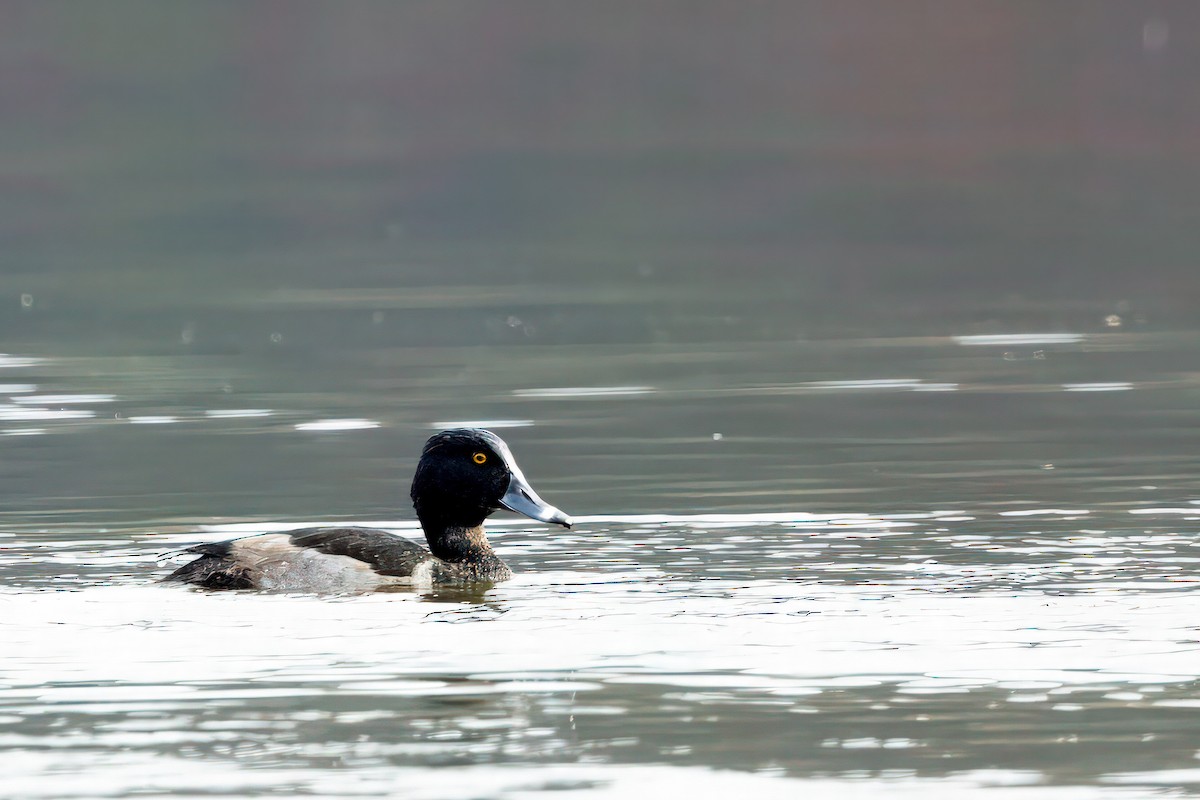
(467, 474)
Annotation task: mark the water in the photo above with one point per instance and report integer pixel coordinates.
(873, 396)
(942, 610)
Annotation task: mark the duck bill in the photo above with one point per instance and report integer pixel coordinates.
(522, 499)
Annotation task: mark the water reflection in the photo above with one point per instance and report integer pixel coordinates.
(649, 667)
(480, 423)
(939, 603)
(682, 644)
(885, 564)
(237, 413)
(990, 339)
(337, 425)
(584, 391)
(1114, 386)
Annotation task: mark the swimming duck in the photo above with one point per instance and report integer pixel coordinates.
(463, 477)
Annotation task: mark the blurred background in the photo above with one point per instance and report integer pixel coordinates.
(709, 221)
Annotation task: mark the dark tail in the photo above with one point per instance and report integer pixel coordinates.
(214, 569)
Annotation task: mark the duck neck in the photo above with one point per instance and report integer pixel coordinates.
(458, 544)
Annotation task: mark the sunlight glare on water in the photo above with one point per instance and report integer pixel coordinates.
(667, 640)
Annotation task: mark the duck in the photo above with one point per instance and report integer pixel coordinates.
(464, 476)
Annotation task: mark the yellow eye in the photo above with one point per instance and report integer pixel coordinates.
(479, 458)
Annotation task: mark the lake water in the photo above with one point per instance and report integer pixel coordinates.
(879, 434)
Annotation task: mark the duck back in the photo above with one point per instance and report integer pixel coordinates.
(310, 559)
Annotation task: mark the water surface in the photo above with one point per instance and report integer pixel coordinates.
(932, 598)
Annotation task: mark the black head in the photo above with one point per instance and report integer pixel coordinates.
(467, 474)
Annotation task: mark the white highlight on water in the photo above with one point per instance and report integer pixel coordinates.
(337, 425)
(11, 412)
(234, 413)
(584, 391)
(7, 361)
(480, 423)
(1018, 338)
(64, 399)
(1115, 386)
